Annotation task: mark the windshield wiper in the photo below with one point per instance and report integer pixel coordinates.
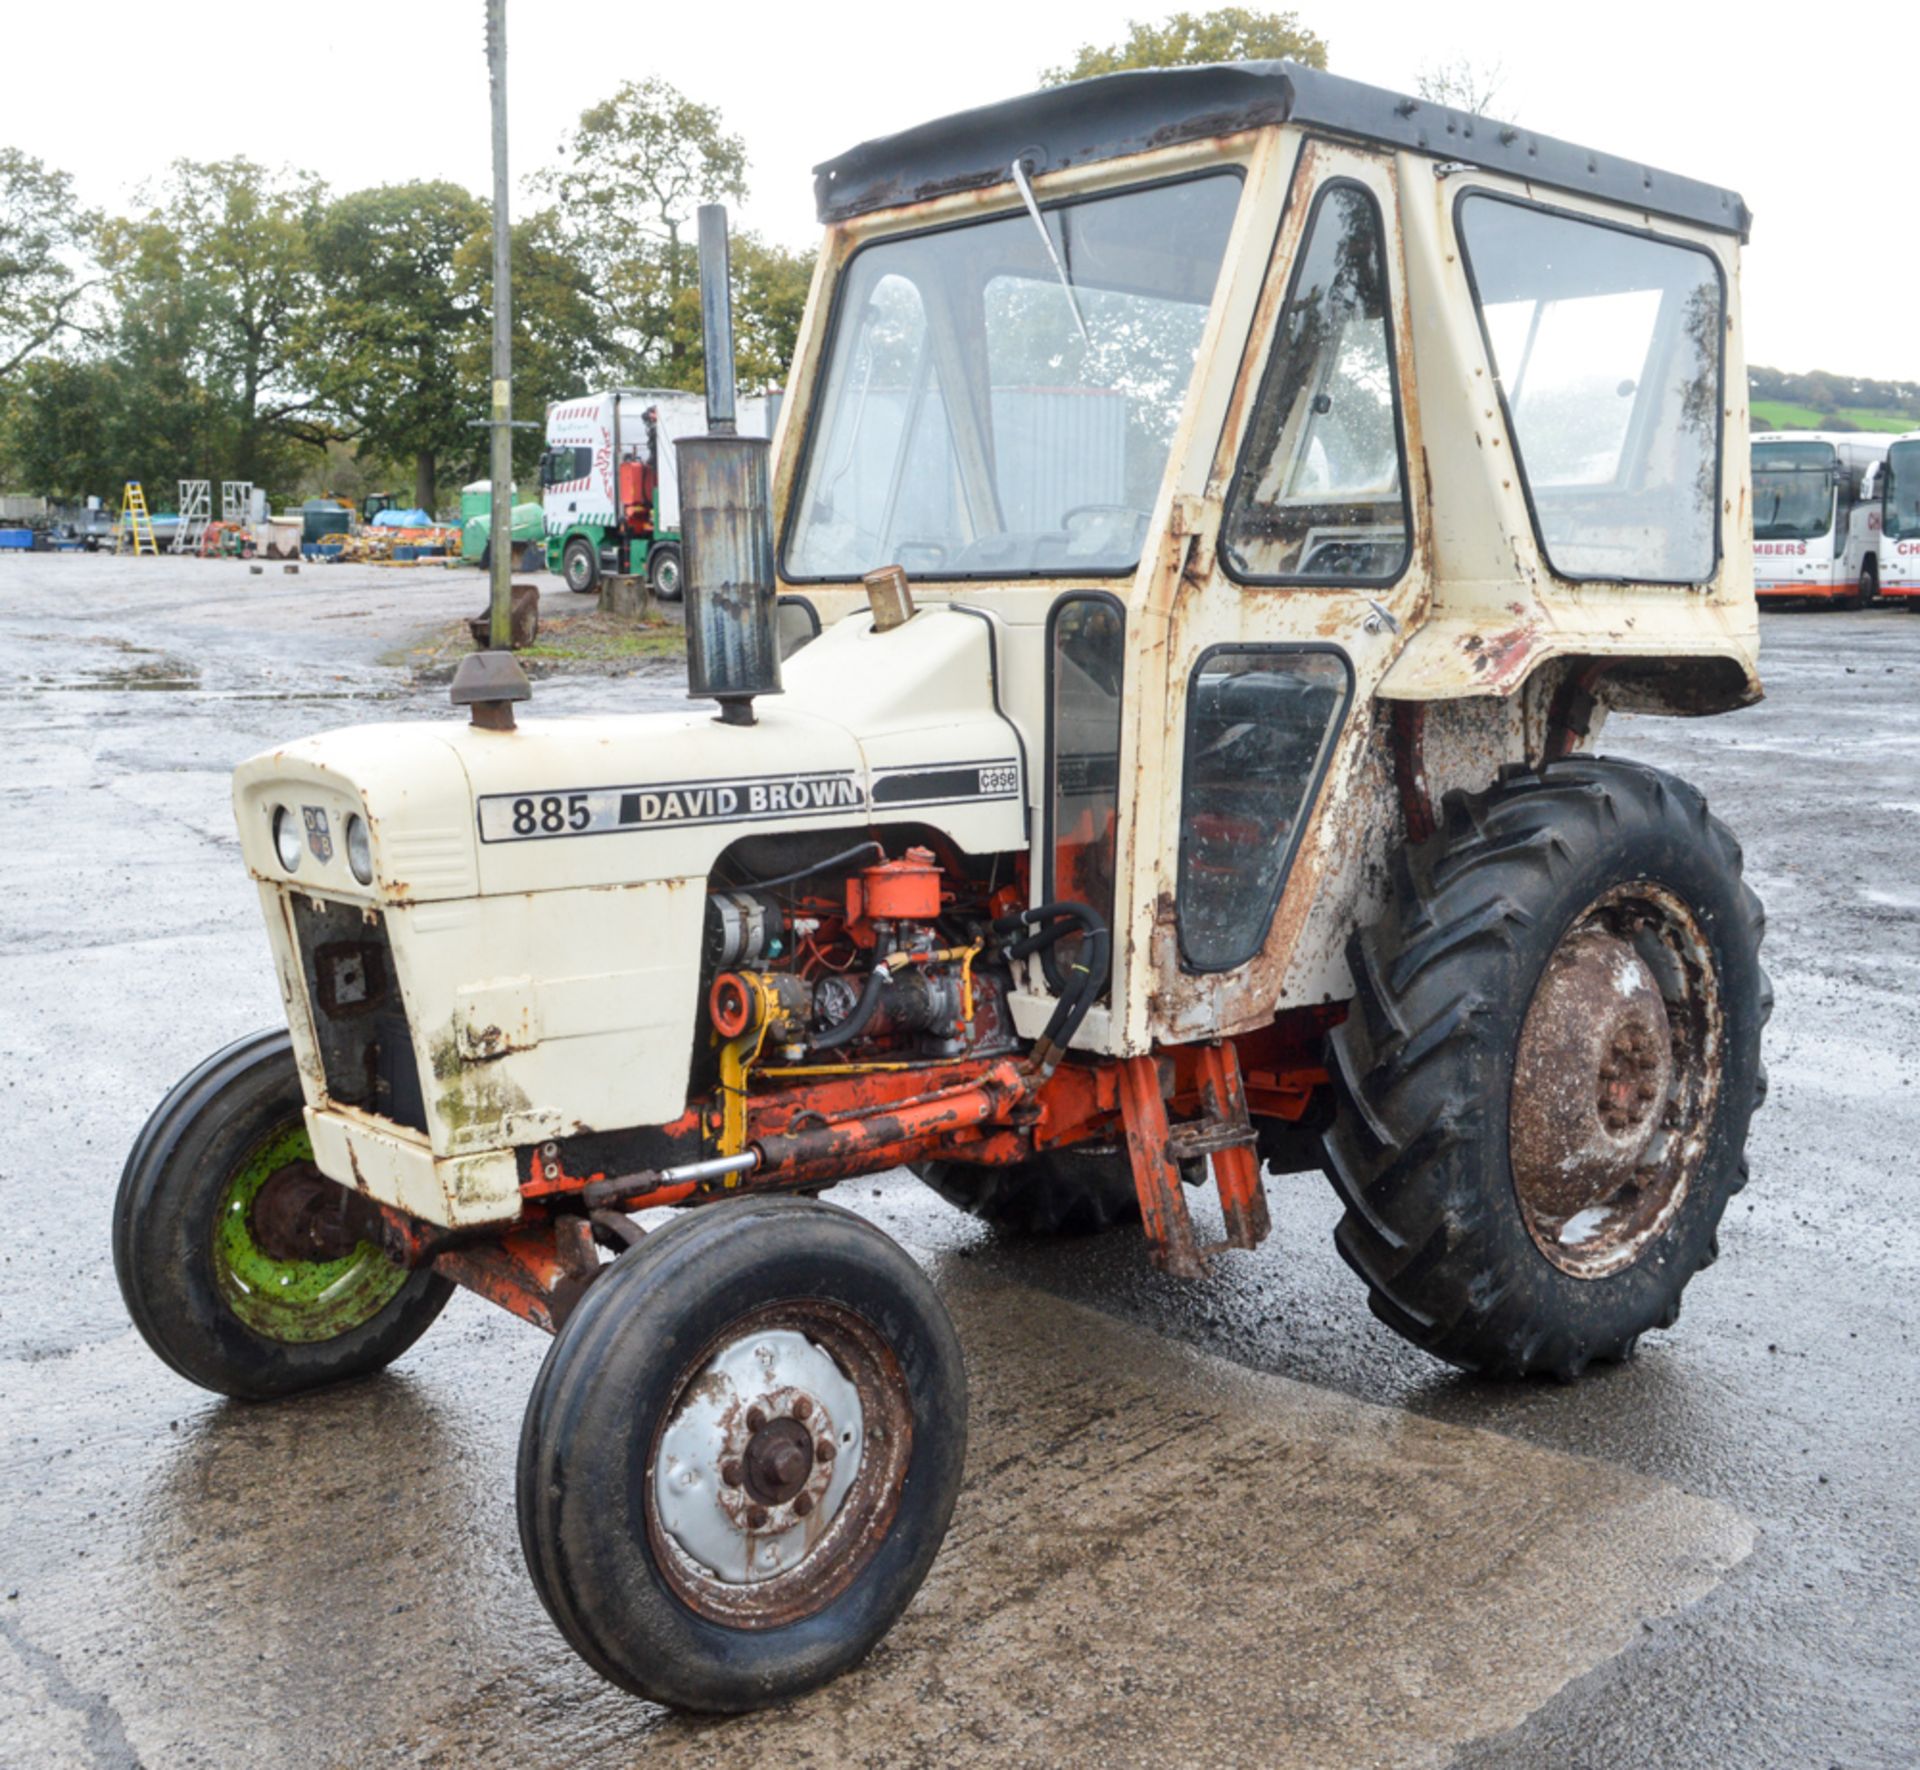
(1046, 239)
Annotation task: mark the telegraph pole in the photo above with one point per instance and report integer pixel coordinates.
(500, 535)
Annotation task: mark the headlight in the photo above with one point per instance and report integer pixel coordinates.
(359, 849)
(286, 838)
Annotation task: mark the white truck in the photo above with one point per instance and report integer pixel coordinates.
(1816, 516)
(609, 485)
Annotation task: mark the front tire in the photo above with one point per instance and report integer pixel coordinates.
(742, 1453)
(1511, 1212)
(237, 1258)
(580, 566)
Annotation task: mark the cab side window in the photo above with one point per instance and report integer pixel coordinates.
(1088, 663)
(1319, 493)
(1261, 723)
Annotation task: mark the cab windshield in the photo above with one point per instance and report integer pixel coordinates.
(1903, 489)
(1792, 490)
(988, 412)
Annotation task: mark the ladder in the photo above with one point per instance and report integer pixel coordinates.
(135, 523)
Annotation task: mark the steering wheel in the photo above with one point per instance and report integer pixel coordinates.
(1138, 517)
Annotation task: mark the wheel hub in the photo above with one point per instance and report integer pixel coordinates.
(299, 1214)
(755, 1463)
(1592, 1075)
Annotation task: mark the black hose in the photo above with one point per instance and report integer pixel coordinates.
(1073, 1007)
(819, 866)
(863, 1012)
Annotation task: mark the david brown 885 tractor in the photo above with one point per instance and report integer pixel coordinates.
(1231, 498)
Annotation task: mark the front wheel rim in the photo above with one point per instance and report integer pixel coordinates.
(776, 1470)
(1616, 1080)
(295, 1301)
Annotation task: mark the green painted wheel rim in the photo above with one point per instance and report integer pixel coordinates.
(296, 1301)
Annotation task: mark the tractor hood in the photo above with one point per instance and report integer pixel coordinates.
(873, 728)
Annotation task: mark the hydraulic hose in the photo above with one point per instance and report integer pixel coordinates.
(1049, 922)
(857, 1022)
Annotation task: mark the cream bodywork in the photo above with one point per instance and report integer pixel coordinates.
(551, 985)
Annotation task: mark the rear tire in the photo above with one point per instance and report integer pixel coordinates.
(1064, 1192)
(1526, 883)
(580, 567)
(743, 1334)
(204, 1296)
(663, 572)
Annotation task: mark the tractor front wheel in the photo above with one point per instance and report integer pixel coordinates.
(242, 1265)
(741, 1454)
(1549, 1069)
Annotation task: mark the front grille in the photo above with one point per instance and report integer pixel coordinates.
(359, 1019)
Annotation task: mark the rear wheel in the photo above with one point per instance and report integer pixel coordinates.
(242, 1265)
(1550, 1067)
(579, 566)
(663, 572)
(1064, 1192)
(741, 1454)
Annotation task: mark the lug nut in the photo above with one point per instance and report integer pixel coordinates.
(802, 1504)
(824, 1450)
(730, 1471)
(756, 1517)
(802, 1407)
(756, 1418)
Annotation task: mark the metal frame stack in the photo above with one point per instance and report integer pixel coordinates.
(236, 500)
(196, 510)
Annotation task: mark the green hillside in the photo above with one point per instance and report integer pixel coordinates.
(1783, 415)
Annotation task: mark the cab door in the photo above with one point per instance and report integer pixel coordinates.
(1304, 569)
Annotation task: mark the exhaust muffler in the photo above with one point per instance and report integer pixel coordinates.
(726, 518)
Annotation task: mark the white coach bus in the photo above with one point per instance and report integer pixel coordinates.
(1816, 523)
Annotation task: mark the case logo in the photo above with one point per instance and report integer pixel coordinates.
(319, 837)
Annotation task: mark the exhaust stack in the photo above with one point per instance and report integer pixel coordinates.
(726, 518)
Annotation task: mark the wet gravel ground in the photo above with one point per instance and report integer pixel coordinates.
(154, 1608)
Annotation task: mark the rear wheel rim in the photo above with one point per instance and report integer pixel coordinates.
(299, 1302)
(776, 1472)
(1616, 1078)
(666, 576)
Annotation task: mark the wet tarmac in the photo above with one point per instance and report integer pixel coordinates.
(1226, 1523)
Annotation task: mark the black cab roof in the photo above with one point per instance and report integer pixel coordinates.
(1130, 113)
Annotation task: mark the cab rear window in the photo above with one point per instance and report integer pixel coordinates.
(1605, 345)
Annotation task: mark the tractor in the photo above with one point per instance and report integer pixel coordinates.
(1226, 504)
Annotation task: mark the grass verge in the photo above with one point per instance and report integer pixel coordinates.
(586, 644)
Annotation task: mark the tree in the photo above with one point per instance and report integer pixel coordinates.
(559, 340)
(1464, 84)
(630, 176)
(1230, 33)
(240, 238)
(41, 228)
(384, 348)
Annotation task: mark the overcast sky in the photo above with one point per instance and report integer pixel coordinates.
(1800, 111)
